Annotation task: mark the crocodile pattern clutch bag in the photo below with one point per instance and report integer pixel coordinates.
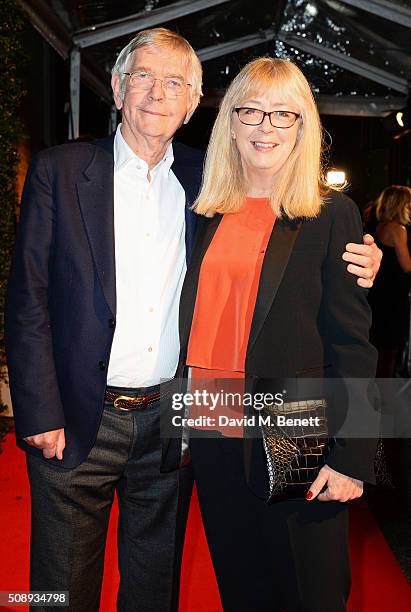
(296, 444)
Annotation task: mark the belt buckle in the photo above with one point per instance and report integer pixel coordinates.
(126, 398)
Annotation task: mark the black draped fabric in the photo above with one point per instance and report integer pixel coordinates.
(388, 299)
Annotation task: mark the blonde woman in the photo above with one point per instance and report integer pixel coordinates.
(389, 297)
(268, 296)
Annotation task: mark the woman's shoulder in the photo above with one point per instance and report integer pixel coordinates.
(339, 217)
(203, 222)
(340, 209)
(389, 231)
(395, 227)
(338, 204)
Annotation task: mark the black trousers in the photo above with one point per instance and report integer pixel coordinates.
(288, 556)
(71, 509)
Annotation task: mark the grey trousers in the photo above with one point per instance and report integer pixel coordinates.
(71, 509)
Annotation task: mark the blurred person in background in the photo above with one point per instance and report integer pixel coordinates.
(389, 296)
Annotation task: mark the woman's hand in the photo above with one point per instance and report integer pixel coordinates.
(364, 260)
(339, 487)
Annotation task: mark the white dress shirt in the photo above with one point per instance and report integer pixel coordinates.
(150, 254)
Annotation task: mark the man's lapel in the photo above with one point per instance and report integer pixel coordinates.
(275, 263)
(189, 176)
(96, 199)
(207, 229)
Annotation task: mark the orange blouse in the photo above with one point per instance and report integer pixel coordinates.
(227, 288)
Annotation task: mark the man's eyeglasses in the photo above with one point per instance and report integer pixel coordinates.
(142, 80)
(278, 118)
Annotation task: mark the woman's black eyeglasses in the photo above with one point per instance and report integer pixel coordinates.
(278, 118)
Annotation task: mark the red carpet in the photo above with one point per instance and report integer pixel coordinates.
(378, 583)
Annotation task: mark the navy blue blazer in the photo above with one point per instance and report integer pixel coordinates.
(61, 299)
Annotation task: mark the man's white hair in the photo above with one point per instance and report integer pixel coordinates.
(160, 38)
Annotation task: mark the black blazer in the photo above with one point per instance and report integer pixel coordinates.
(311, 318)
(61, 301)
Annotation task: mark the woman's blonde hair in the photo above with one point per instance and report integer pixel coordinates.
(299, 185)
(394, 204)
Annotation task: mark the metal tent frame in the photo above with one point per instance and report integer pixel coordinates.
(74, 46)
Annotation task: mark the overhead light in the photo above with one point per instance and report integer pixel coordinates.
(311, 9)
(398, 122)
(335, 178)
(400, 118)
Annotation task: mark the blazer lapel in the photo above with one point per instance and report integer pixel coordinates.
(207, 229)
(276, 259)
(189, 177)
(96, 199)
(191, 224)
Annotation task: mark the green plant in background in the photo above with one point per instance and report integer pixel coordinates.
(11, 93)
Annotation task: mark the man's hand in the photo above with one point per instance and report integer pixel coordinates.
(339, 487)
(365, 260)
(52, 443)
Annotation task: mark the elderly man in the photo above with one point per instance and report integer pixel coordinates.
(105, 234)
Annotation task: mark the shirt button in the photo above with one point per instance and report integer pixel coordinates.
(102, 365)
(151, 309)
(147, 234)
(150, 349)
(111, 323)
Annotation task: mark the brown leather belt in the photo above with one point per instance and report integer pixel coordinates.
(128, 403)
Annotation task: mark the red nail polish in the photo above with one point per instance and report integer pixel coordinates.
(309, 495)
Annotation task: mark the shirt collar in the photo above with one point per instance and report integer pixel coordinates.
(123, 154)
